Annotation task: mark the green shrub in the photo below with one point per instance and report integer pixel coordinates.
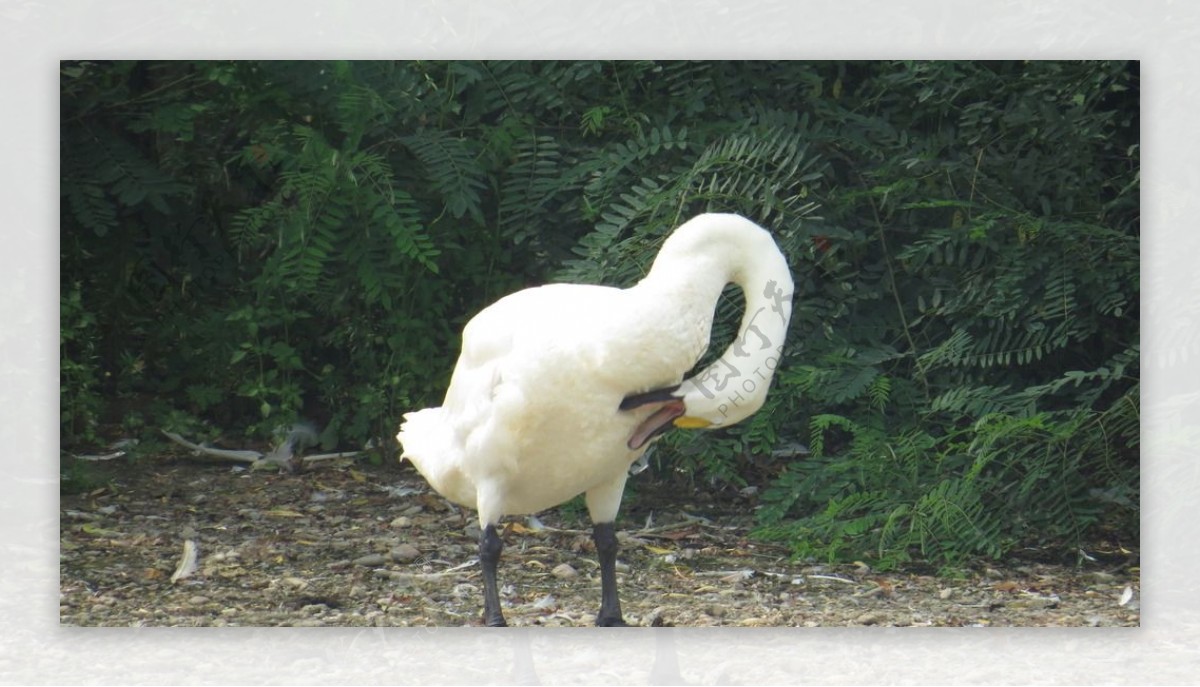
(249, 242)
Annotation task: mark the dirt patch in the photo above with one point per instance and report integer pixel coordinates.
(349, 544)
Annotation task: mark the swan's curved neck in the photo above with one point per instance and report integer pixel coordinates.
(713, 250)
(735, 385)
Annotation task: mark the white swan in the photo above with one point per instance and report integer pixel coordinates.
(560, 388)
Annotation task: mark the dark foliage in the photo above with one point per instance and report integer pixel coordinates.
(244, 243)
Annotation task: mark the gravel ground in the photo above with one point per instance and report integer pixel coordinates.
(349, 544)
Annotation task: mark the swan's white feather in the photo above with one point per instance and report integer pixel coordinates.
(531, 415)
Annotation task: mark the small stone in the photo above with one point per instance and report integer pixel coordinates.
(405, 553)
(402, 521)
(465, 589)
(867, 618)
(296, 582)
(755, 621)
(197, 600)
(564, 571)
(371, 559)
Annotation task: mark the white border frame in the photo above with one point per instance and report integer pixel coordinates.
(35, 35)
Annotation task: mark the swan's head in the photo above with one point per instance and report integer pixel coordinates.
(698, 403)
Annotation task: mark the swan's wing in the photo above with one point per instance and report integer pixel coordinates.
(523, 350)
(545, 352)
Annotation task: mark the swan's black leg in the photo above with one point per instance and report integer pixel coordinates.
(490, 547)
(605, 536)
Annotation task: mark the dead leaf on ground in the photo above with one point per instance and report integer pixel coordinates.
(278, 556)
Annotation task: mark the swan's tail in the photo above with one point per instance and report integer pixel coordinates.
(431, 445)
(425, 437)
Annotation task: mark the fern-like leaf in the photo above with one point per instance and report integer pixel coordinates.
(452, 171)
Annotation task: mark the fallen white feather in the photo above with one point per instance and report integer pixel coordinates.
(547, 602)
(398, 492)
(187, 563)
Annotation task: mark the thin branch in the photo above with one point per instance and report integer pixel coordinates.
(887, 258)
